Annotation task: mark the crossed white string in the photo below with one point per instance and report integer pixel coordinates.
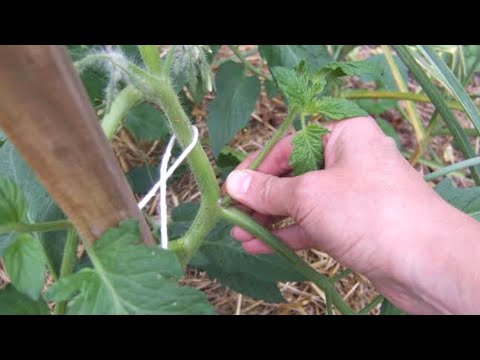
(162, 183)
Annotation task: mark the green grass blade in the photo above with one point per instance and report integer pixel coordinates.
(439, 102)
(452, 84)
(452, 168)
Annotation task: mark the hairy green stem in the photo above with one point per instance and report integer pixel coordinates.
(241, 219)
(159, 91)
(437, 99)
(68, 264)
(394, 95)
(168, 62)
(245, 62)
(126, 99)
(378, 299)
(151, 58)
(452, 168)
(36, 227)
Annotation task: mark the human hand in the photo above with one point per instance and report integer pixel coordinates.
(370, 210)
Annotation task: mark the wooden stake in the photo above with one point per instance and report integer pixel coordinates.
(46, 114)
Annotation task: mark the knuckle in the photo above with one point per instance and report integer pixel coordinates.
(266, 191)
(386, 142)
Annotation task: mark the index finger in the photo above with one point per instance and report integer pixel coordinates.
(276, 162)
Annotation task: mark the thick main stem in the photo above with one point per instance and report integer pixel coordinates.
(241, 219)
(159, 91)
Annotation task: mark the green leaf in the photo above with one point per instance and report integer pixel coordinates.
(464, 199)
(290, 55)
(25, 265)
(336, 69)
(225, 260)
(13, 302)
(389, 130)
(95, 80)
(231, 109)
(41, 207)
(337, 108)
(270, 89)
(128, 279)
(472, 58)
(142, 179)
(228, 160)
(307, 153)
(383, 77)
(12, 202)
(388, 308)
(5, 241)
(294, 86)
(146, 123)
(3, 137)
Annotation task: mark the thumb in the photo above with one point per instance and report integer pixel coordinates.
(266, 194)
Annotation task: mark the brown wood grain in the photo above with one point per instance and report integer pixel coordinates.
(46, 114)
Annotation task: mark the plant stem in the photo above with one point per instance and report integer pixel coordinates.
(68, 264)
(452, 168)
(159, 91)
(434, 94)
(226, 201)
(151, 58)
(241, 219)
(394, 95)
(168, 62)
(222, 60)
(36, 227)
(413, 116)
(273, 140)
(126, 99)
(245, 62)
(378, 299)
(428, 133)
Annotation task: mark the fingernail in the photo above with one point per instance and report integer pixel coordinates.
(238, 183)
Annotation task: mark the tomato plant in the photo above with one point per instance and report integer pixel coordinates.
(150, 93)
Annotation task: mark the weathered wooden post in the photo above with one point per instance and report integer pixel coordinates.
(46, 114)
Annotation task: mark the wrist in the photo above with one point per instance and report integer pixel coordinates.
(438, 270)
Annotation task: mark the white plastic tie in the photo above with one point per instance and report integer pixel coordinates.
(161, 184)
